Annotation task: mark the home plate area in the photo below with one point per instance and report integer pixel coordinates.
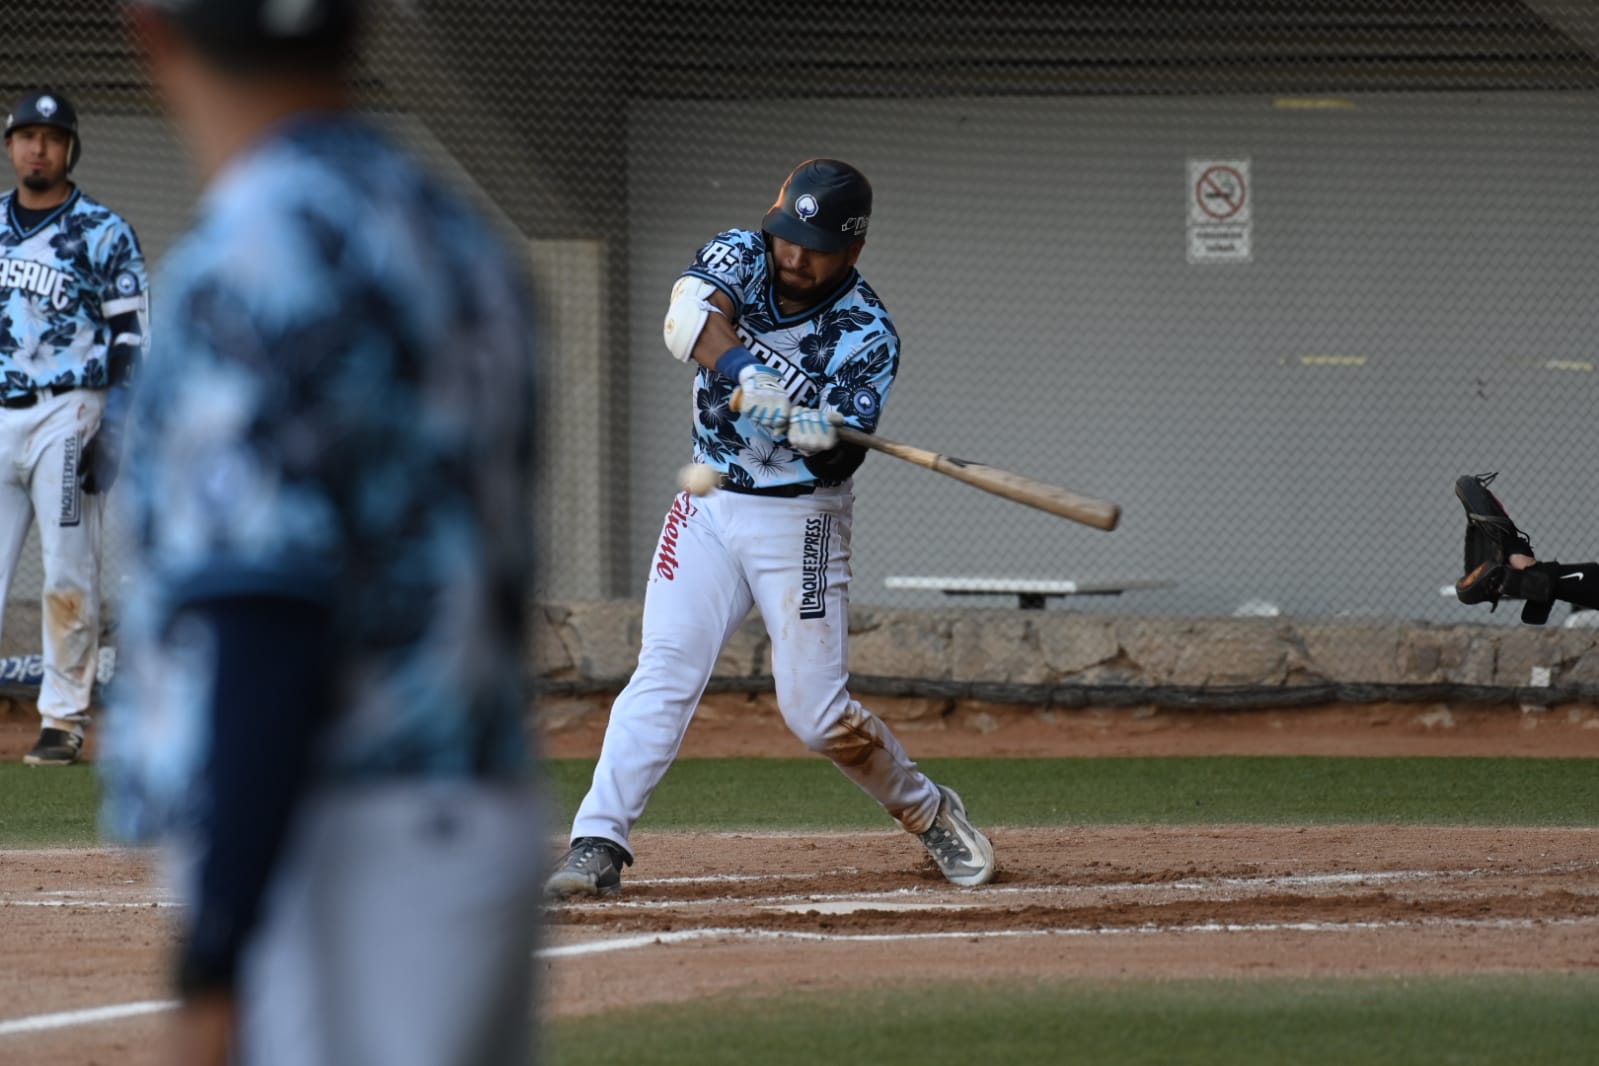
(727, 915)
(860, 908)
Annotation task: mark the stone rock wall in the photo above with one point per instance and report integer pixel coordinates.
(1023, 656)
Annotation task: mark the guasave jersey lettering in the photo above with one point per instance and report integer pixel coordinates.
(61, 284)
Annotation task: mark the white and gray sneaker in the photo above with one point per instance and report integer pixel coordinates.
(592, 868)
(964, 855)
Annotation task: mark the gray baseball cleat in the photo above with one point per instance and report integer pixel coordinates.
(964, 855)
(592, 868)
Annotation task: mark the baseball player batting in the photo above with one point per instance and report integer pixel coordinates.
(72, 310)
(782, 315)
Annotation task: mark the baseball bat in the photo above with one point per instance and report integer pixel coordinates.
(1101, 514)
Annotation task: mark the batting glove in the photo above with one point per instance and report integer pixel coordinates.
(764, 400)
(810, 431)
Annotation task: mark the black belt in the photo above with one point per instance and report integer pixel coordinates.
(771, 490)
(28, 399)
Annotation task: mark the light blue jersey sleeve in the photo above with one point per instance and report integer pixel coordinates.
(734, 261)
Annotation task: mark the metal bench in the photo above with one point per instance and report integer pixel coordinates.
(1030, 593)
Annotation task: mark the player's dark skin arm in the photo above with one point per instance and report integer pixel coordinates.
(717, 335)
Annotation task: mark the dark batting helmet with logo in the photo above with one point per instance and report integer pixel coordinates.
(824, 205)
(45, 107)
(245, 30)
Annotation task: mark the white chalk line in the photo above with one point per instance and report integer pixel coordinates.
(149, 904)
(1201, 884)
(733, 879)
(1192, 884)
(41, 1022)
(677, 936)
(68, 899)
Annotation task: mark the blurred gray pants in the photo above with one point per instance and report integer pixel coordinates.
(401, 931)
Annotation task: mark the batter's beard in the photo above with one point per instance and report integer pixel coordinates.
(794, 293)
(39, 182)
(808, 295)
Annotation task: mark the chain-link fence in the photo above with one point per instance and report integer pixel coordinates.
(1269, 274)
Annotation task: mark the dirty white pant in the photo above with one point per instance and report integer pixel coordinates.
(717, 556)
(39, 451)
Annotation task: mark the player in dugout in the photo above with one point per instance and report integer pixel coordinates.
(780, 314)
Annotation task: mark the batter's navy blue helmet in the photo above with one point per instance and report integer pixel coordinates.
(261, 29)
(45, 107)
(824, 205)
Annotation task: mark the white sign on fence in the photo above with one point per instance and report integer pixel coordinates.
(1220, 211)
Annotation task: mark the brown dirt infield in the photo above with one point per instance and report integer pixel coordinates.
(705, 914)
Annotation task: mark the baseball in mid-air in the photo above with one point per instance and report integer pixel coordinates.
(697, 479)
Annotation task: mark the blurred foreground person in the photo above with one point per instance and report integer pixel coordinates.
(321, 700)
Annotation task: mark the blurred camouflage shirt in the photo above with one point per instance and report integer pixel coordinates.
(338, 409)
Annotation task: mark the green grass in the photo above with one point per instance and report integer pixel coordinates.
(1532, 1018)
(56, 806)
(810, 794)
(48, 806)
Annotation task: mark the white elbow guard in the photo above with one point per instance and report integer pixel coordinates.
(686, 317)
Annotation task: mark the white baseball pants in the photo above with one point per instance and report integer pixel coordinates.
(39, 452)
(717, 556)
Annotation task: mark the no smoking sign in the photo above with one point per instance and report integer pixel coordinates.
(1220, 197)
(1218, 191)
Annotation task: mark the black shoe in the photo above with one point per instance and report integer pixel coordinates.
(1485, 584)
(1491, 582)
(592, 868)
(56, 747)
(1535, 585)
(1487, 519)
(1536, 612)
(1491, 539)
